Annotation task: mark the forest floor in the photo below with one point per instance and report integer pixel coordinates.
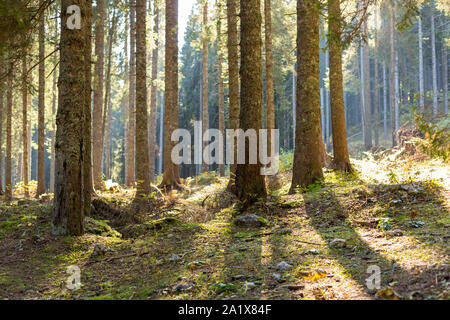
(392, 214)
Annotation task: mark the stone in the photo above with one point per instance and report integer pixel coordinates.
(337, 243)
(395, 233)
(174, 257)
(278, 277)
(249, 286)
(250, 221)
(283, 231)
(284, 266)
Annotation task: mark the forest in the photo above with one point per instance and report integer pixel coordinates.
(224, 150)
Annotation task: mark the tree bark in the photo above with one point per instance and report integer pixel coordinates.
(367, 95)
(250, 183)
(445, 76)
(392, 69)
(171, 177)
(341, 159)
(52, 163)
(8, 164)
(269, 72)
(307, 167)
(154, 93)
(434, 66)
(97, 145)
(142, 170)
(421, 81)
(25, 163)
(2, 87)
(220, 84)
(107, 101)
(41, 109)
(233, 74)
(205, 77)
(72, 186)
(132, 98)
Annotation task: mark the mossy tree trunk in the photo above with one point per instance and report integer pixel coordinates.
(72, 148)
(2, 87)
(142, 170)
(341, 159)
(132, 99)
(171, 177)
(25, 124)
(307, 167)
(250, 183)
(205, 113)
(97, 134)
(41, 109)
(269, 72)
(233, 74)
(220, 81)
(154, 93)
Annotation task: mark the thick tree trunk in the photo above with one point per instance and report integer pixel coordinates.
(72, 177)
(421, 81)
(233, 74)
(154, 93)
(392, 69)
(8, 164)
(132, 98)
(434, 66)
(142, 171)
(2, 87)
(41, 110)
(171, 177)
(307, 156)
(341, 159)
(205, 113)
(25, 163)
(250, 183)
(97, 142)
(220, 86)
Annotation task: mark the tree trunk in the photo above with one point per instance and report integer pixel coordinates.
(171, 177)
(107, 101)
(392, 68)
(341, 159)
(97, 142)
(52, 163)
(25, 163)
(220, 86)
(434, 64)
(71, 148)
(421, 81)
(9, 102)
(269, 72)
(132, 98)
(367, 98)
(397, 94)
(205, 77)
(126, 107)
(250, 183)
(445, 76)
(41, 110)
(233, 74)
(385, 103)
(307, 167)
(2, 88)
(154, 93)
(376, 97)
(142, 171)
